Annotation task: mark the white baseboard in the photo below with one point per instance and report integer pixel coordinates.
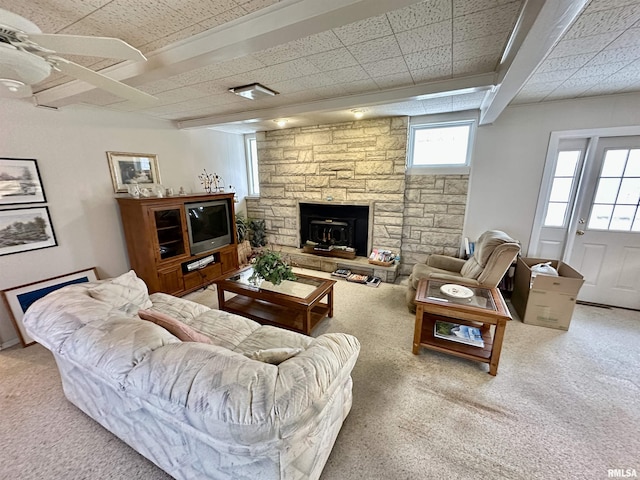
(9, 343)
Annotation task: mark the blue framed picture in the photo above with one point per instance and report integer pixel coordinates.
(19, 299)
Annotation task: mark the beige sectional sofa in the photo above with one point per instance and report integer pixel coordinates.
(197, 410)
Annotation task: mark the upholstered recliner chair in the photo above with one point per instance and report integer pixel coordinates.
(494, 253)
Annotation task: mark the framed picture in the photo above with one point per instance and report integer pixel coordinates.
(20, 181)
(24, 229)
(129, 168)
(18, 299)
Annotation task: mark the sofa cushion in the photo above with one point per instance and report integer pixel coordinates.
(178, 308)
(224, 329)
(268, 337)
(275, 356)
(126, 292)
(180, 329)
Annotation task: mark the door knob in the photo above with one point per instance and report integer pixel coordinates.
(580, 232)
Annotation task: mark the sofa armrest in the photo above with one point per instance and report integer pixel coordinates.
(176, 307)
(307, 380)
(443, 277)
(445, 262)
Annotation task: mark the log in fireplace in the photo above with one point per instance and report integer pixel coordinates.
(335, 225)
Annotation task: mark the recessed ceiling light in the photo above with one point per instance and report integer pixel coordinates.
(358, 113)
(253, 91)
(281, 123)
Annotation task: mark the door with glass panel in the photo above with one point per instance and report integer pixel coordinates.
(606, 247)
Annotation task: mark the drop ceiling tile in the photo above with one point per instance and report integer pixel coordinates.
(320, 80)
(557, 75)
(389, 66)
(629, 38)
(467, 101)
(195, 11)
(290, 86)
(150, 15)
(419, 14)
(434, 35)
(591, 44)
(432, 73)
(369, 29)
(414, 108)
(333, 59)
(48, 16)
(604, 21)
(477, 25)
(605, 69)
(348, 74)
(181, 94)
(378, 49)
(360, 86)
(281, 72)
(109, 25)
(466, 7)
(158, 86)
(542, 89)
(615, 55)
(255, 5)
(427, 58)
(212, 87)
(222, 18)
(330, 91)
(174, 37)
(597, 5)
(478, 47)
(476, 65)
(98, 97)
(562, 63)
(310, 45)
(580, 84)
(394, 81)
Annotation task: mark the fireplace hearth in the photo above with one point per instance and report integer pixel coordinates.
(335, 225)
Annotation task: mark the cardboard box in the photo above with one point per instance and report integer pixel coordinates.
(547, 301)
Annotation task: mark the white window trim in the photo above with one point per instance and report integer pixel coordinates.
(468, 117)
(250, 179)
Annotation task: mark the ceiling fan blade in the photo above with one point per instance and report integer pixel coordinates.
(101, 81)
(106, 47)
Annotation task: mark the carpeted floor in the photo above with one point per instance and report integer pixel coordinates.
(564, 405)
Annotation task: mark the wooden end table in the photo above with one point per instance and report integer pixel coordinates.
(485, 310)
(294, 304)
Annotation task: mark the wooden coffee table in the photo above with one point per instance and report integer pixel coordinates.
(294, 304)
(485, 310)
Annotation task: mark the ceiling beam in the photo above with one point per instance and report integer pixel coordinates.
(552, 19)
(278, 24)
(456, 86)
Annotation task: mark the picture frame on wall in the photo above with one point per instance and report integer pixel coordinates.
(133, 168)
(20, 181)
(19, 299)
(25, 229)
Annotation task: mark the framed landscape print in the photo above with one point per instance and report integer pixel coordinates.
(24, 229)
(18, 299)
(20, 181)
(129, 168)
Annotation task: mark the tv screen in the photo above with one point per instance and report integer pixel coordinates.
(209, 225)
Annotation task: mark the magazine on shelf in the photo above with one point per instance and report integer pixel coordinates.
(458, 333)
(368, 280)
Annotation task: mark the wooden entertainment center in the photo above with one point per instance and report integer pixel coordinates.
(156, 232)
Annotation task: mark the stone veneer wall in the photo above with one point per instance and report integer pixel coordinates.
(360, 162)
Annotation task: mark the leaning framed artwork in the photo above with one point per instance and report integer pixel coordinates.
(18, 299)
(20, 181)
(24, 229)
(130, 168)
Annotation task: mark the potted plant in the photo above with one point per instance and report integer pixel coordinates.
(258, 233)
(244, 247)
(270, 266)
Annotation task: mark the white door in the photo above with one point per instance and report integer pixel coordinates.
(606, 247)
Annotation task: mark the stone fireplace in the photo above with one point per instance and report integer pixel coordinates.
(335, 225)
(357, 163)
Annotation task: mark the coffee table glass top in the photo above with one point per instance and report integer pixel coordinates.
(482, 297)
(301, 287)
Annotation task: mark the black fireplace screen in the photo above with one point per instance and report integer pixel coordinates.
(335, 225)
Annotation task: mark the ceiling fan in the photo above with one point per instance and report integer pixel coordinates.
(27, 57)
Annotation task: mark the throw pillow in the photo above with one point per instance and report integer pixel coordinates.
(274, 355)
(123, 290)
(181, 330)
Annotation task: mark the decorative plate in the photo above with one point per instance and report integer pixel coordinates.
(456, 291)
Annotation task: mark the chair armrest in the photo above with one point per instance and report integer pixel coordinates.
(443, 277)
(445, 262)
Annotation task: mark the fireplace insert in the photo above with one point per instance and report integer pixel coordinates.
(335, 225)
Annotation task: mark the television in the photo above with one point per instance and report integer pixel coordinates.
(209, 225)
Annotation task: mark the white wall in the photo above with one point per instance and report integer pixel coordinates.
(509, 158)
(70, 146)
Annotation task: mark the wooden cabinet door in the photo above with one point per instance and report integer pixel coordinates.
(170, 280)
(168, 232)
(229, 259)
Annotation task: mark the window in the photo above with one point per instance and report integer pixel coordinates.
(616, 204)
(562, 187)
(443, 147)
(252, 164)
